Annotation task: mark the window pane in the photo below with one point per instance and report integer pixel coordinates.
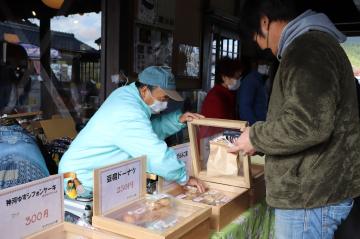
(74, 90)
(212, 83)
(231, 45)
(214, 43)
(223, 47)
(213, 69)
(213, 58)
(225, 44)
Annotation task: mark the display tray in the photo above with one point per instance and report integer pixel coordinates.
(244, 188)
(130, 212)
(157, 217)
(71, 231)
(237, 200)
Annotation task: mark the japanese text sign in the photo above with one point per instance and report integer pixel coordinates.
(120, 183)
(183, 154)
(31, 207)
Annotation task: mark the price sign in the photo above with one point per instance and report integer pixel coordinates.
(31, 207)
(119, 184)
(183, 153)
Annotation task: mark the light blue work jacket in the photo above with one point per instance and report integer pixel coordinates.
(122, 129)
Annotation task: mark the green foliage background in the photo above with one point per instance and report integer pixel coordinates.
(352, 49)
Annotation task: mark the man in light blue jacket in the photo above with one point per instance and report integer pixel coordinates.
(122, 129)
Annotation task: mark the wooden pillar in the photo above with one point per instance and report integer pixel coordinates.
(47, 104)
(45, 44)
(188, 27)
(116, 35)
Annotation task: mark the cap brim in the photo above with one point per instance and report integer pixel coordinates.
(173, 95)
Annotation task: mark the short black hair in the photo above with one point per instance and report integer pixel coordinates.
(275, 10)
(227, 67)
(140, 85)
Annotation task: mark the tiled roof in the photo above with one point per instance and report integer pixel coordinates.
(29, 33)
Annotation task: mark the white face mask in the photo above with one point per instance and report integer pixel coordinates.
(263, 69)
(157, 106)
(235, 85)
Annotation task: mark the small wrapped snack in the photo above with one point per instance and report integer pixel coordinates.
(211, 197)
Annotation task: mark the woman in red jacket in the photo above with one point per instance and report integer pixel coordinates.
(220, 102)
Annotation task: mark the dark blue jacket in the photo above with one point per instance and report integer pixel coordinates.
(251, 98)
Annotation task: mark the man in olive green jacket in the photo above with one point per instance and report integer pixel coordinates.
(311, 135)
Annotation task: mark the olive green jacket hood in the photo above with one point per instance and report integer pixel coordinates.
(311, 135)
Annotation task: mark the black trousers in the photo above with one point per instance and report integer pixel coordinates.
(350, 228)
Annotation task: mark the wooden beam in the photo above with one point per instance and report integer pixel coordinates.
(45, 44)
(116, 38)
(103, 60)
(47, 104)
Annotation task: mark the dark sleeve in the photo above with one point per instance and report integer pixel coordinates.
(245, 99)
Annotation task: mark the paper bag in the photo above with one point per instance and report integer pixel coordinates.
(204, 146)
(220, 162)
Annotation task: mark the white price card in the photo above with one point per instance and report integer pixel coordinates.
(31, 207)
(183, 153)
(120, 183)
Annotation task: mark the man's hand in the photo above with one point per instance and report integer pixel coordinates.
(196, 183)
(243, 144)
(188, 117)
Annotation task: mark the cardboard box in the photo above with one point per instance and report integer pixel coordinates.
(56, 128)
(132, 213)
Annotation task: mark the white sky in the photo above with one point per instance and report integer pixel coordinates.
(87, 28)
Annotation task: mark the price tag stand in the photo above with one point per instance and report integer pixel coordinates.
(129, 202)
(36, 210)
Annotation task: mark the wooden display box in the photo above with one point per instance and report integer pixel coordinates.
(243, 190)
(71, 231)
(257, 190)
(222, 215)
(193, 220)
(65, 230)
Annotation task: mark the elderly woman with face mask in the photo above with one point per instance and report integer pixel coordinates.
(220, 102)
(122, 129)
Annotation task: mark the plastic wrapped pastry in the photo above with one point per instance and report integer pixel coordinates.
(156, 212)
(210, 197)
